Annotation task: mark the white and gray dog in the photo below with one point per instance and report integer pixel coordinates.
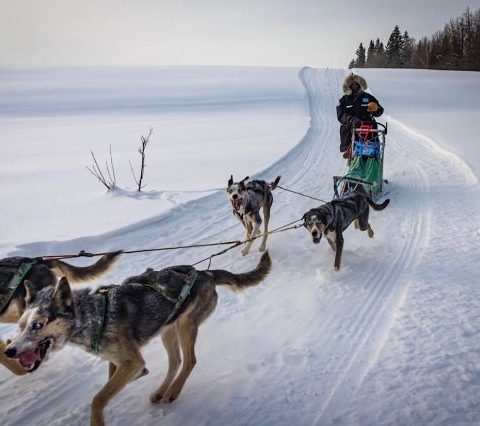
(247, 198)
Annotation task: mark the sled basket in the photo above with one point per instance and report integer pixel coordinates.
(367, 149)
(365, 164)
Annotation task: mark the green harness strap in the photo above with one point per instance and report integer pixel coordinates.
(96, 340)
(183, 295)
(15, 281)
(181, 298)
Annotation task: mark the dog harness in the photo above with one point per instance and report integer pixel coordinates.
(96, 340)
(187, 287)
(15, 281)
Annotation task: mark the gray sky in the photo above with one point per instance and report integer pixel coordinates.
(211, 32)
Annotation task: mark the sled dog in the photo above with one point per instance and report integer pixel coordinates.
(247, 199)
(41, 273)
(332, 218)
(115, 321)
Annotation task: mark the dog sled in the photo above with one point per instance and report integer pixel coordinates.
(365, 162)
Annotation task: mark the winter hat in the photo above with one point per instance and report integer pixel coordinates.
(353, 78)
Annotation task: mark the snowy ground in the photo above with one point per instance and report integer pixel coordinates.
(390, 339)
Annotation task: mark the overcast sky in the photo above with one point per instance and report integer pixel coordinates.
(210, 32)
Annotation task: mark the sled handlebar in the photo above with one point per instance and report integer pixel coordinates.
(381, 130)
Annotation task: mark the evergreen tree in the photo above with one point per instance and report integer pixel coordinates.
(360, 60)
(407, 53)
(371, 56)
(394, 49)
(380, 54)
(457, 47)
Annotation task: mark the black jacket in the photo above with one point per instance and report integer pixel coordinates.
(351, 106)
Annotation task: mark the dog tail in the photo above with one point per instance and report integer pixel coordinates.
(273, 185)
(376, 206)
(238, 282)
(83, 273)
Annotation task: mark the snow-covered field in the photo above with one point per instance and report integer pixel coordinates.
(390, 339)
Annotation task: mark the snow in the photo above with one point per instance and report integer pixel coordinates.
(390, 339)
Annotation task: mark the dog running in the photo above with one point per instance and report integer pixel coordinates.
(332, 218)
(247, 199)
(41, 273)
(115, 321)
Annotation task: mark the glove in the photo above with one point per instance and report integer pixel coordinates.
(356, 122)
(372, 107)
(347, 153)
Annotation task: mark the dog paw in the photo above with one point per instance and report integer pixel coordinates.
(261, 248)
(164, 395)
(155, 397)
(168, 399)
(245, 251)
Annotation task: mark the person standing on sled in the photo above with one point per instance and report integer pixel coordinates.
(355, 107)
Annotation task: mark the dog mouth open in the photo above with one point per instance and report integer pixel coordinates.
(316, 237)
(236, 203)
(32, 360)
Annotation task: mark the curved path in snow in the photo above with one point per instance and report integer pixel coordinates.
(303, 348)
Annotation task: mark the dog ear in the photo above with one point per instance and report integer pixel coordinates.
(243, 181)
(230, 181)
(304, 218)
(63, 295)
(31, 292)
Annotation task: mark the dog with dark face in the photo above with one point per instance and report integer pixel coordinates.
(332, 218)
(41, 273)
(115, 321)
(247, 198)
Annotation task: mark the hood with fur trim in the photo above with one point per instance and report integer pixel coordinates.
(351, 79)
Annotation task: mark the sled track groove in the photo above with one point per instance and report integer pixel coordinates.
(386, 281)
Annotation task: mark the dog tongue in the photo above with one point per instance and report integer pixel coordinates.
(316, 240)
(237, 203)
(28, 359)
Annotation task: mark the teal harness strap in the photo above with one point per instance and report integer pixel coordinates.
(181, 298)
(183, 295)
(15, 281)
(98, 336)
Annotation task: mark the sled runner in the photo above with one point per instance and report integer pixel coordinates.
(365, 162)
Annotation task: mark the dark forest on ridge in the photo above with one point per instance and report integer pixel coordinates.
(457, 47)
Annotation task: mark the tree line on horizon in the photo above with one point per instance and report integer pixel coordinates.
(457, 47)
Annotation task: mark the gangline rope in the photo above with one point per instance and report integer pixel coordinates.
(232, 245)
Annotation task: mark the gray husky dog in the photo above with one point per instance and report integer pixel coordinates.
(41, 273)
(332, 218)
(115, 321)
(247, 199)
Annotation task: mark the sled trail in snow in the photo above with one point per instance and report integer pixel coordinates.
(309, 345)
(383, 277)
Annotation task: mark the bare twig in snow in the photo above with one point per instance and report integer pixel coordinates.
(97, 172)
(141, 150)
